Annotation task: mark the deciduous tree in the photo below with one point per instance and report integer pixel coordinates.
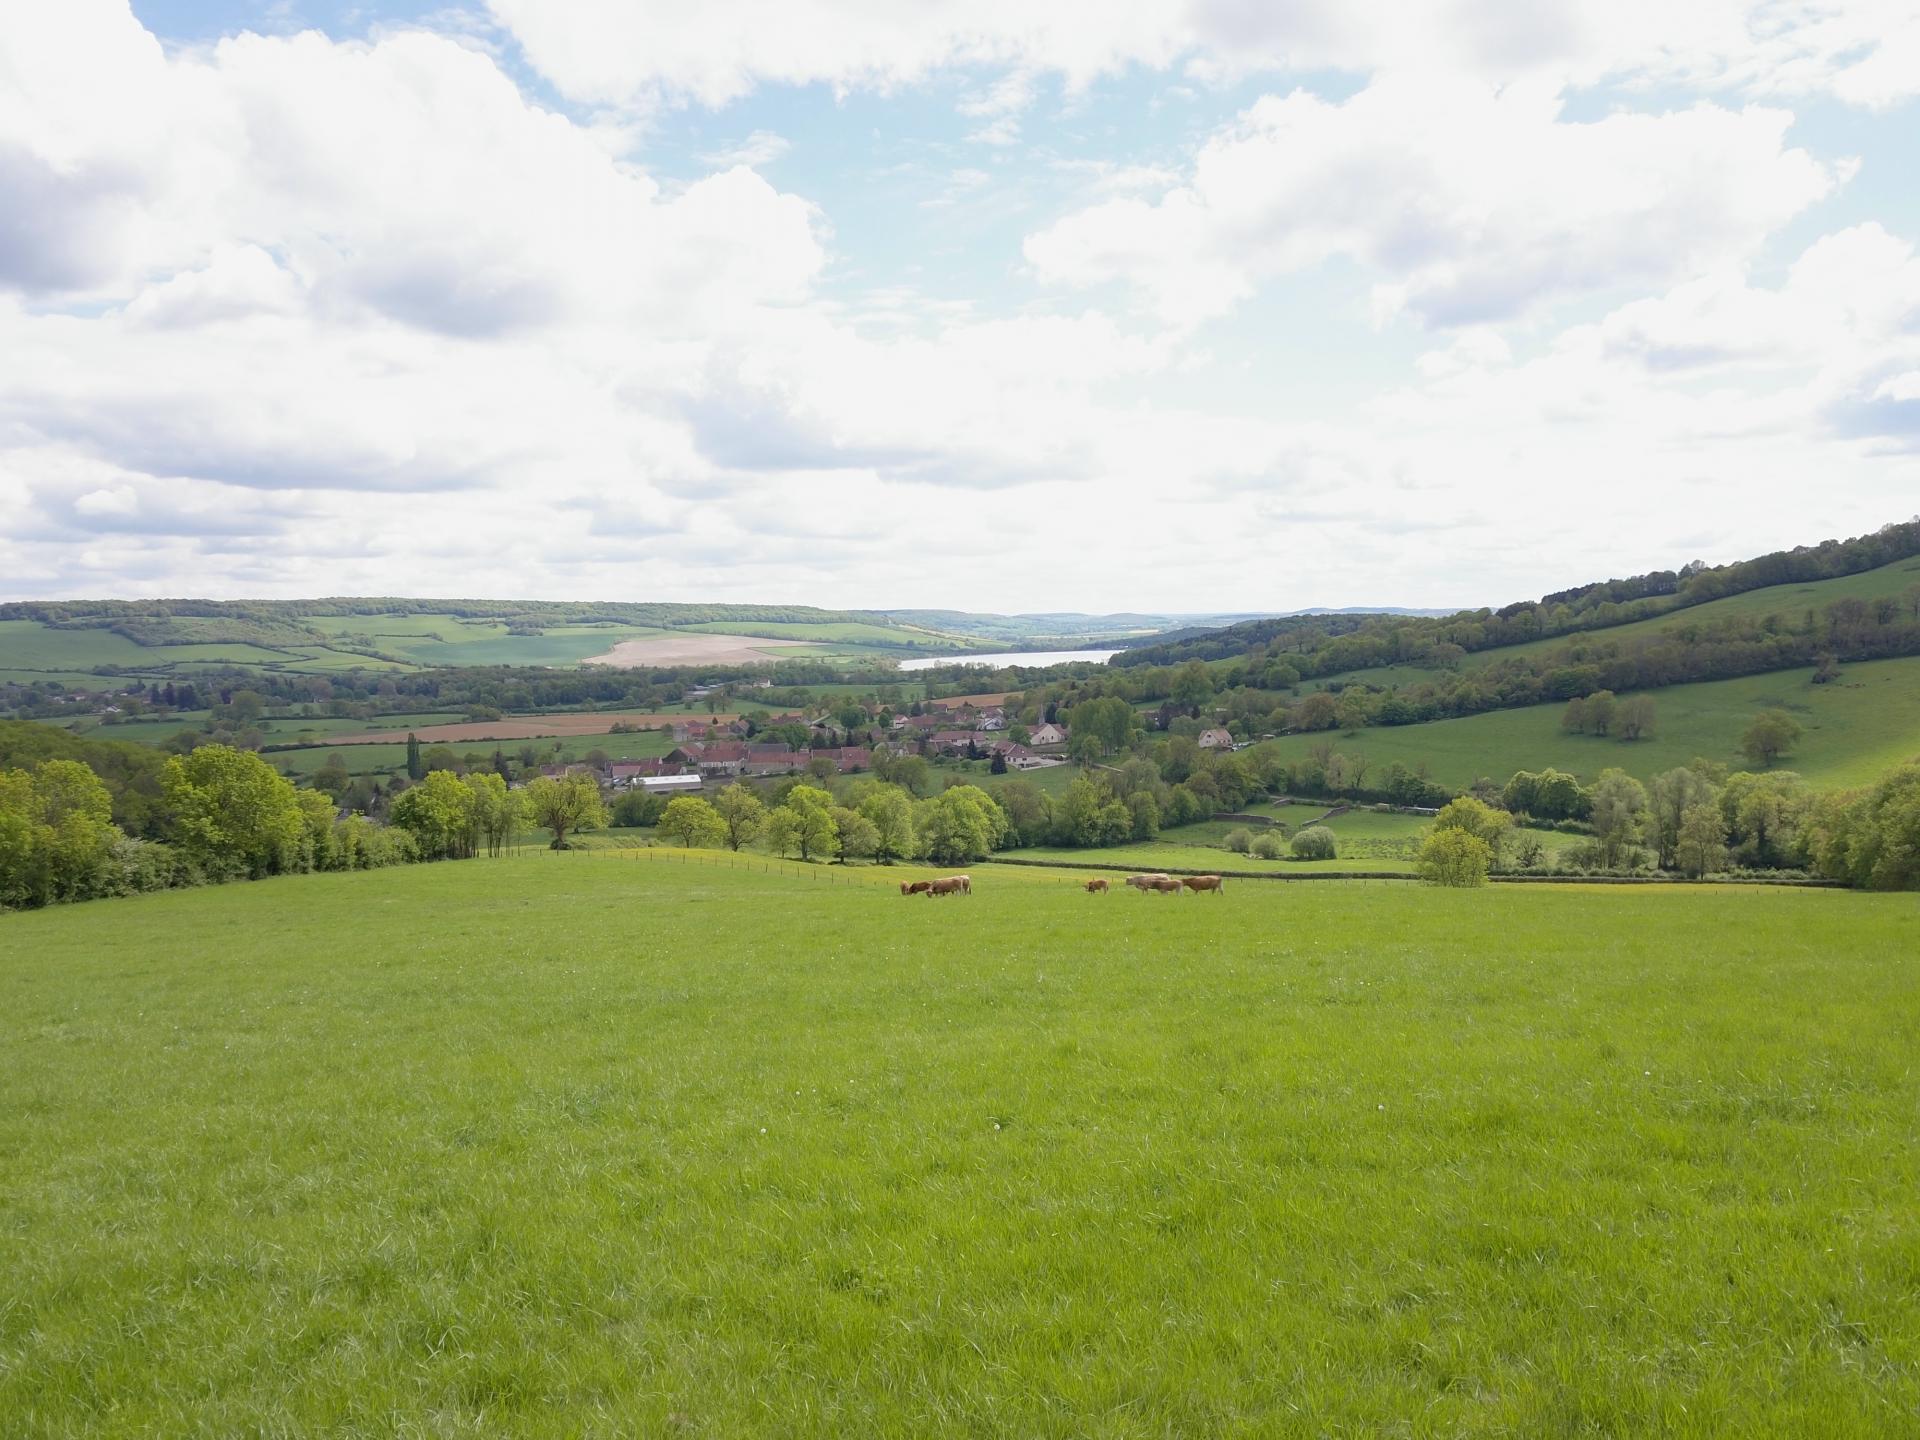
(565, 806)
(742, 813)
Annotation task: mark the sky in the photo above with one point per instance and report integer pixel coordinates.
(1179, 305)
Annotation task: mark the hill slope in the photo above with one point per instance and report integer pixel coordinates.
(1857, 728)
(520, 1147)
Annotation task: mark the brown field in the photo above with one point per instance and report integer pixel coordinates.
(528, 727)
(688, 648)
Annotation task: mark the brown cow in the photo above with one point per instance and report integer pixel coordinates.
(1198, 883)
(1166, 885)
(1096, 887)
(952, 885)
(917, 887)
(1144, 882)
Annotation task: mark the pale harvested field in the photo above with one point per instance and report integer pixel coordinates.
(688, 648)
(527, 727)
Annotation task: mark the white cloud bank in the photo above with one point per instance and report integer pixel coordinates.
(1473, 205)
(647, 52)
(299, 316)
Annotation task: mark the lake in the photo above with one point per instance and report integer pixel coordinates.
(1023, 657)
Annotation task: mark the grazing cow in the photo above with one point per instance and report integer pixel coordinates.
(952, 885)
(1144, 882)
(1096, 887)
(917, 887)
(1198, 883)
(1166, 885)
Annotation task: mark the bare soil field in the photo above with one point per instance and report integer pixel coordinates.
(687, 648)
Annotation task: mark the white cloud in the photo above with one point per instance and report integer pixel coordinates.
(762, 147)
(291, 315)
(1470, 205)
(646, 52)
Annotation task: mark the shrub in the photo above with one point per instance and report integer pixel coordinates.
(1455, 857)
(1239, 841)
(1268, 845)
(1316, 842)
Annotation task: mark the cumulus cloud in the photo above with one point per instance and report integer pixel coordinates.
(1470, 204)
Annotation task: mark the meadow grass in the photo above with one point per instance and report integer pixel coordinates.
(613, 1145)
(1857, 728)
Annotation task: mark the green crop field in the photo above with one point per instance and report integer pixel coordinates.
(29, 645)
(1857, 728)
(442, 639)
(837, 635)
(587, 1144)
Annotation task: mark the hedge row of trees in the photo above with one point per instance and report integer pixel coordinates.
(872, 820)
(225, 814)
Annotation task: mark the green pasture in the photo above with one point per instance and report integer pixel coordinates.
(30, 645)
(1857, 728)
(79, 681)
(384, 759)
(628, 1145)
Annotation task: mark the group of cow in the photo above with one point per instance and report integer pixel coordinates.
(952, 885)
(1161, 884)
(1165, 884)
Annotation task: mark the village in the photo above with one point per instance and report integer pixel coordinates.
(720, 750)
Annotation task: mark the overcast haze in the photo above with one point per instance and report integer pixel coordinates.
(996, 305)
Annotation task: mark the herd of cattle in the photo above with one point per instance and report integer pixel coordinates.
(1159, 884)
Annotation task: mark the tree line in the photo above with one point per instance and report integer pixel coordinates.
(1313, 646)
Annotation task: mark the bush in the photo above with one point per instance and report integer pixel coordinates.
(1268, 845)
(141, 866)
(1239, 841)
(1455, 857)
(1316, 842)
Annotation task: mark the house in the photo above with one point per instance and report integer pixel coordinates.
(1048, 735)
(1013, 754)
(670, 784)
(953, 742)
(774, 759)
(1031, 761)
(848, 758)
(992, 720)
(1214, 738)
(723, 758)
(625, 774)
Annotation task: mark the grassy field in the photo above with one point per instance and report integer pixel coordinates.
(596, 1145)
(385, 759)
(1857, 728)
(1368, 841)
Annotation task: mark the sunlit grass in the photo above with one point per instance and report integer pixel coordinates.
(602, 1144)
